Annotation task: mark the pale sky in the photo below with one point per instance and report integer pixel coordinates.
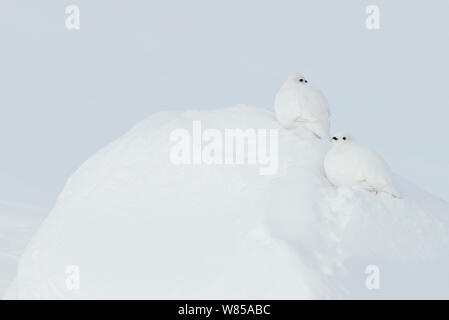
(65, 94)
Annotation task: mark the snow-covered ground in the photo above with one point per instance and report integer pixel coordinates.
(18, 223)
(137, 226)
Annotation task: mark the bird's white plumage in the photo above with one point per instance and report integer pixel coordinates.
(297, 104)
(349, 164)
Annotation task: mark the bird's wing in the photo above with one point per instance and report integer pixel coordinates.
(368, 186)
(378, 174)
(305, 119)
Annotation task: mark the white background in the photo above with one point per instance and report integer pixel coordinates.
(65, 94)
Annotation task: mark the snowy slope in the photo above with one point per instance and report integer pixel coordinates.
(18, 222)
(138, 226)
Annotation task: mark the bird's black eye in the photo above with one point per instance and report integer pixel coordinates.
(335, 138)
(301, 80)
(305, 81)
(344, 138)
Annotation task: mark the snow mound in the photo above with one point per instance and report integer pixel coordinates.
(18, 222)
(137, 226)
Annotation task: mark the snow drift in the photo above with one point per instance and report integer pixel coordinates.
(18, 223)
(138, 226)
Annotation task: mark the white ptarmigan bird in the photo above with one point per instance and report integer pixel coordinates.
(350, 164)
(297, 104)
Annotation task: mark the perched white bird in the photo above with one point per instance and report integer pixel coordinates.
(349, 164)
(297, 104)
